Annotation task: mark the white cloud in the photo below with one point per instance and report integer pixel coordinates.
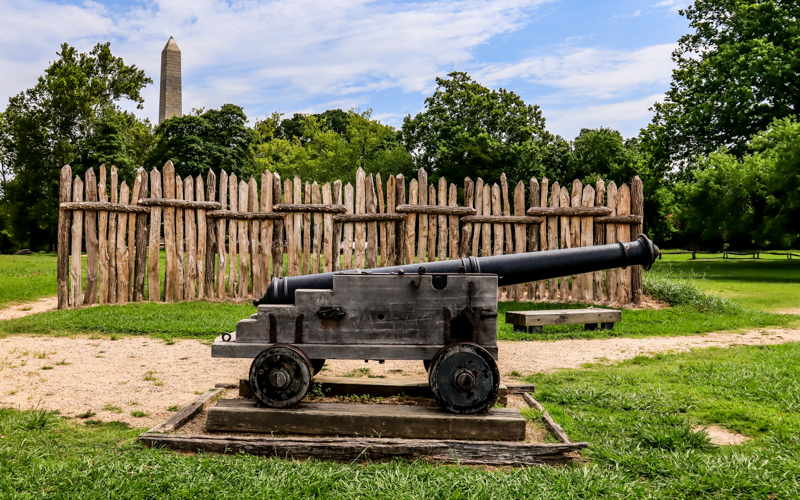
(250, 52)
(626, 116)
(673, 5)
(589, 72)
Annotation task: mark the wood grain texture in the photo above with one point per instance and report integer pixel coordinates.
(267, 229)
(187, 412)
(624, 234)
(433, 226)
(337, 227)
(611, 237)
(222, 249)
(422, 238)
(411, 223)
(307, 232)
(190, 224)
(543, 242)
(599, 236)
(454, 236)
(499, 229)
(553, 317)
(442, 222)
(123, 290)
(211, 239)
(620, 219)
(92, 242)
(137, 188)
(325, 208)
(297, 226)
(75, 278)
(141, 241)
(244, 244)
(476, 230)
(400, 229)
(502, 219)
(277, 231)
(102, 223)
(154, 241)
(552, 236)
(564, 222)
(64, 249)
(391, 227)
(288, 224)
(347, 254)
(113, 219)
(180, 242)
(382, 226)
(170, 252)
(587, 240)
(508, 238)
(519, 232)
(637, 210)
(570, 211)
(575, 233)
(465, 244)
(195, 204)
(533, 233)
(360, 206)
(99, 205)
(232, 216)
(255, 236)
(233, 235)
(202, 238)
(316, 250)
(372, 227)
(551, 424)
(327, 240)
(486, 236)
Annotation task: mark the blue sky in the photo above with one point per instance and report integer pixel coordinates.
(585, 63)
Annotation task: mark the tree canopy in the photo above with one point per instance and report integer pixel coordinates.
(46, 126)
(736, 72)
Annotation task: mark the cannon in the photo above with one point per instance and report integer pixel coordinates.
(442, 313)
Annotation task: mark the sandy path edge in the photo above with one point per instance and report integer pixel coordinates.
(114, 378)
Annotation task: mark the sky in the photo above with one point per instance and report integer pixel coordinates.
(587, 64)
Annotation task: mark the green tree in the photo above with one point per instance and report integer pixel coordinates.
(736, 72)
(467, 129)
(45, 126)
(747, 202)
(213, 139)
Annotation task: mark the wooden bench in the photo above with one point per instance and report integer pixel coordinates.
(533, 321)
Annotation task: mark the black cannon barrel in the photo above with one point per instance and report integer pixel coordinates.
(511, 269)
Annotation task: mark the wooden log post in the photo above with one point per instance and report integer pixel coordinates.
(347, 254)
(360, 227)
(277, 230)
(391, 226)
(135, 195)
(382, 225)
(222, 249)
(141, 240)
(499, 229)
(190, 223)
(611, 238)
(337, 228)
(543, 242)
(255, 235)
(552, 237)
(297, 226)
(566, 242)
(587, 240)
(307, 232)
(637, 208)
(442, 221)
(92, 243)
(170, 253)
(113, 221)
(267, 229)
(476, 230)
(180, 242)
(533, 233)
(233, 235)
(244, 242)
(575, 234)
(202, 238)
(599, 236)
(316, 251)
(211, 239)
(453, 238)
(623, 235)
(327, 241)
(509, 241)
(64, 221)
(372, 227)
(465, 245)
(433, 225)
(519, 233)
(401, 256)
(422, 239)
(411, 222)
(123, 290)
(154, 240)
(102, 223)
(76, 282)
(486, 230)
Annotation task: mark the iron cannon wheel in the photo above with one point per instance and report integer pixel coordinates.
(280, 376)
(464, 378)
(316, 365)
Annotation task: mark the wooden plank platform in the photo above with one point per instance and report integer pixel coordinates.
(380, 420)
(589, 317)
(376, 387)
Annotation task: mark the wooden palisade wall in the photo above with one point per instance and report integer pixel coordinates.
(225, 238)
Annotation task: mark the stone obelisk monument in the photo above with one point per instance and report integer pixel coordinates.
(169, 103)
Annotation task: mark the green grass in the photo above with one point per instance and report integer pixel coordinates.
(770, 284)
(639, 418)
(26, 277)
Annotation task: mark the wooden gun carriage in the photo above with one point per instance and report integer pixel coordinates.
(442, 313)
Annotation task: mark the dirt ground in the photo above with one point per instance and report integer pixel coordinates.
(117, 379)
(28, 308)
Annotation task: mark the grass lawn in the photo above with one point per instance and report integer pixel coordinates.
(769, 284)
(639, 417)
(26, 277)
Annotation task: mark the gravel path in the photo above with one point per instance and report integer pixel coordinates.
(115, 378)
(28, 308)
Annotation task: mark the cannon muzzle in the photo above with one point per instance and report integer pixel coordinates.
(511, 269)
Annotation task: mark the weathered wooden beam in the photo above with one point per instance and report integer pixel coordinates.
(310, 207)
(554, 427)
(502, 219)
(435, 210)
(235, 215)
(162, 202)
(186, 413)
(569, 211)
(619, 219)
(563, 317)
(99, 205)
(368, 217)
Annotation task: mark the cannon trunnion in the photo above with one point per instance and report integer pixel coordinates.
(445, 316)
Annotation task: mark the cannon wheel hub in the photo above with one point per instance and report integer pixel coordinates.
(464, 378)
(280, 376)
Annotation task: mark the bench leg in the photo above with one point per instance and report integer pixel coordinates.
(518, 328)
(535, 329)
(590, 326)
(607, 326)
